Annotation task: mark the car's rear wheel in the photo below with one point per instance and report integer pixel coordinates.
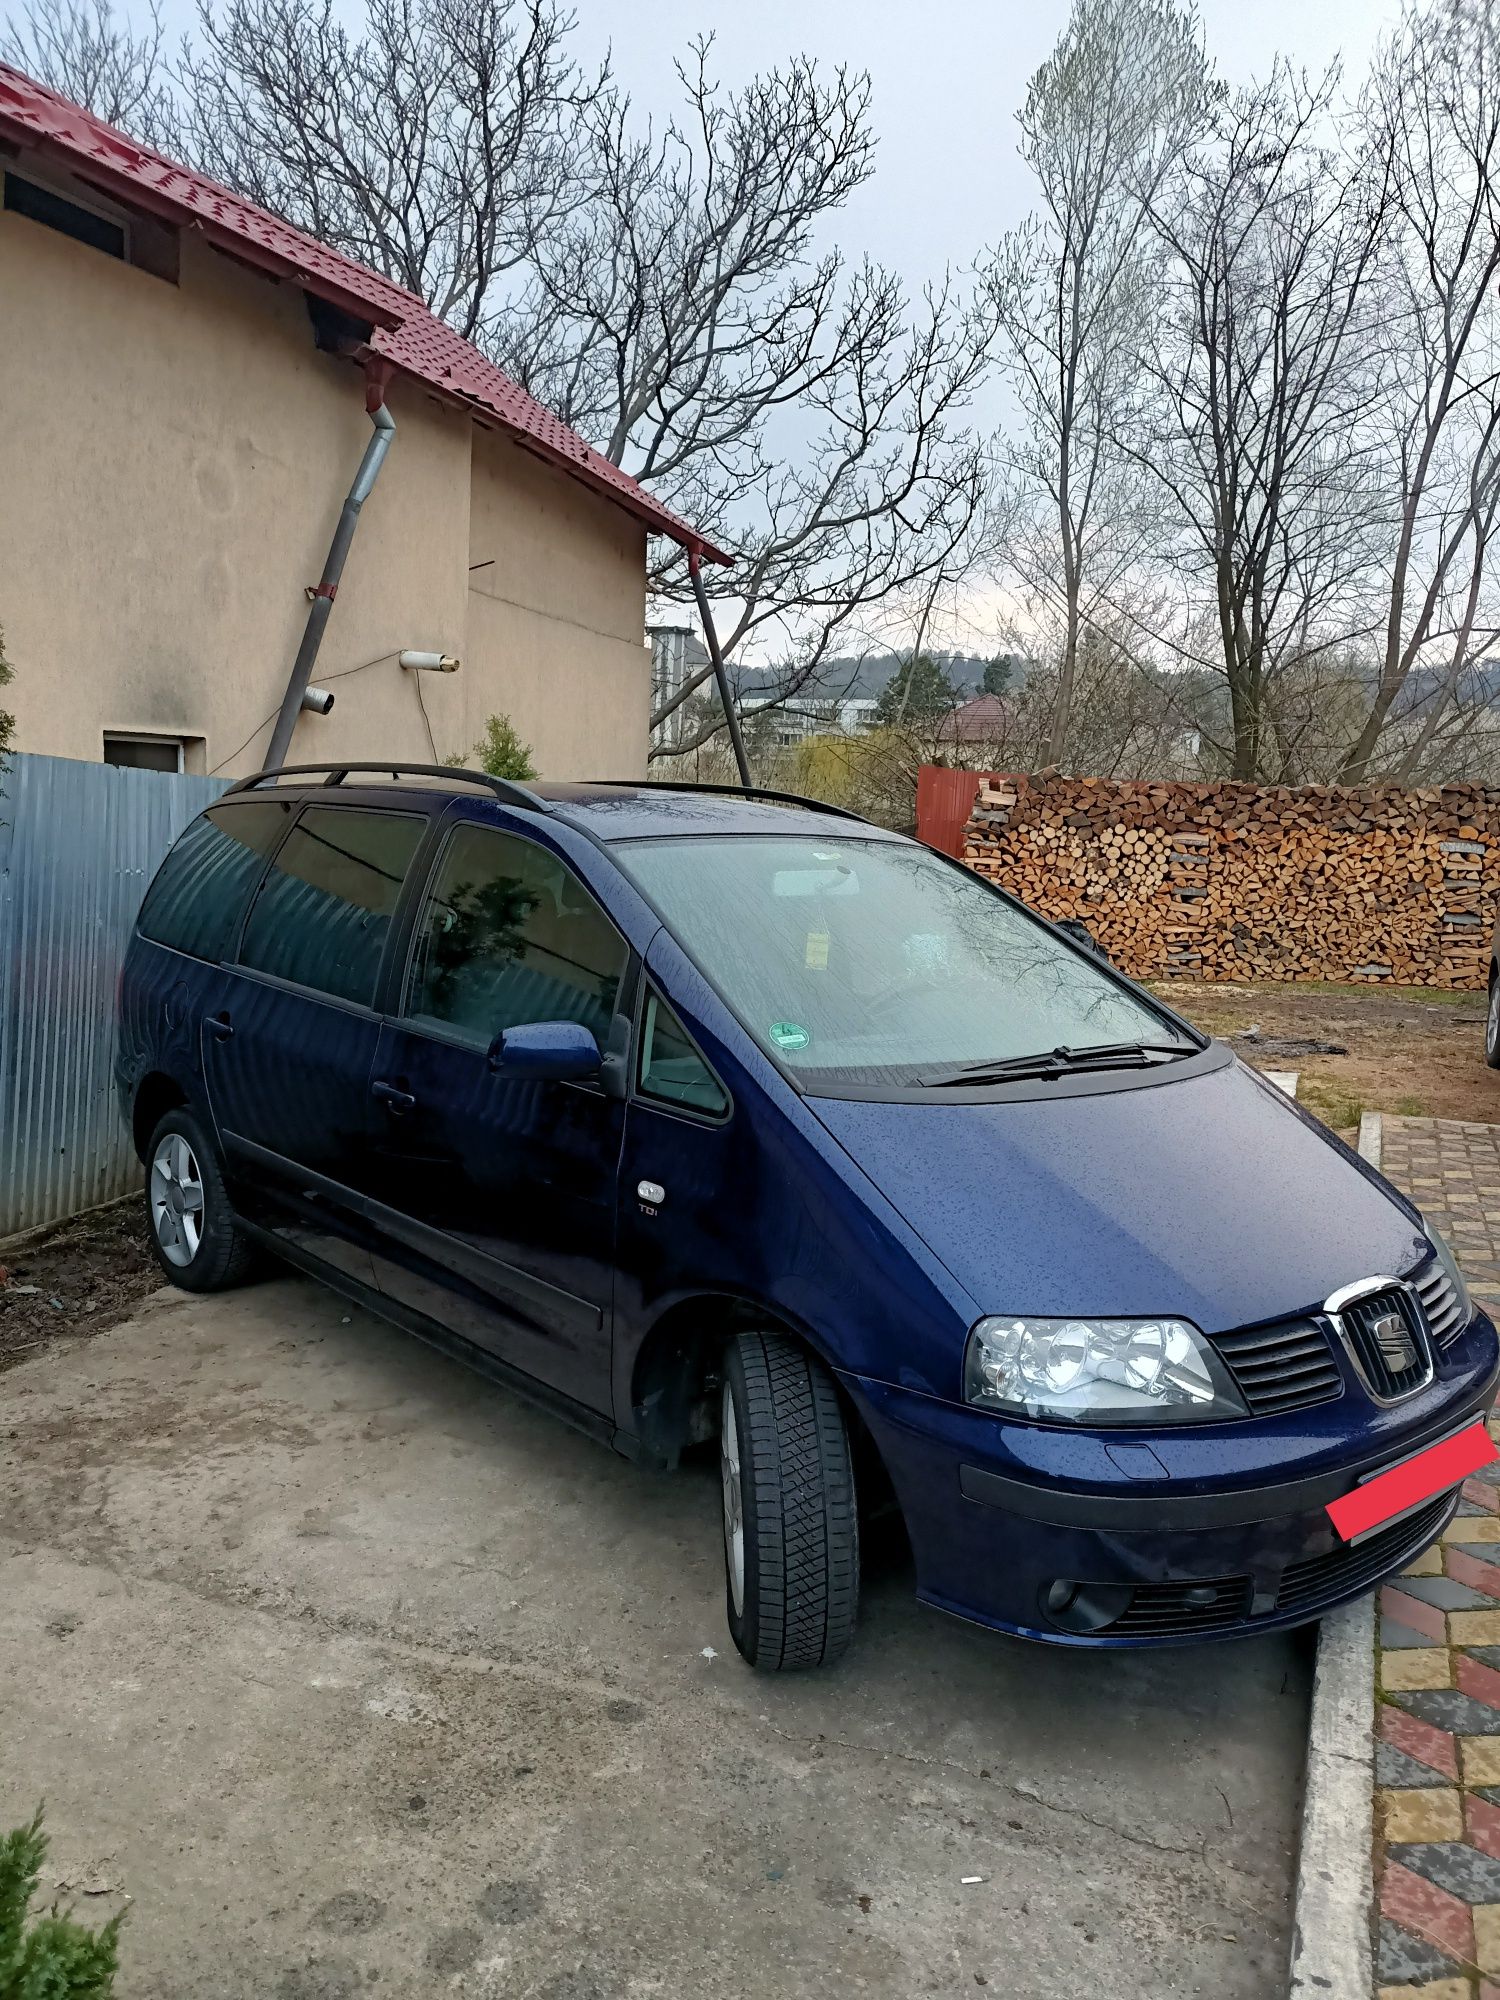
(791, 1526)
(194, 1231)
(1492, 1022)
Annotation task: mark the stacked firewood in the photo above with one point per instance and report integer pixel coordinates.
(1232, 881)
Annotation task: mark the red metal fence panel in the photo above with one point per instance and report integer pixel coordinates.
(945, 800)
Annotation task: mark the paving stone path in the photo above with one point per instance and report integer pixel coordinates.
(1437, 1759)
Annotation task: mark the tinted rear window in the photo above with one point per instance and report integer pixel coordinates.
(201, 889)
(325, 908)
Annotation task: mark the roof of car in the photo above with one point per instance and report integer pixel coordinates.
(606, 809)
(623, 811)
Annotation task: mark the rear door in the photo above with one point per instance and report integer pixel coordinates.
(498, 1196)
(289, 1047)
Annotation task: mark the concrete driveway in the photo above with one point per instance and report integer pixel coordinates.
(358, 1676)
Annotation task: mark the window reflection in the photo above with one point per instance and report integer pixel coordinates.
(508, 935)
(863, 960)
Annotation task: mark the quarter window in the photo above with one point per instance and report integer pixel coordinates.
(324, 910)
(202, 887)
(672, 1069)
(508, 935)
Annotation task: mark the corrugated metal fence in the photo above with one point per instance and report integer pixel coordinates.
(945, 800)
(78, 845)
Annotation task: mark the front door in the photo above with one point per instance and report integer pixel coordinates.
(496, 1197)
(289, 1041)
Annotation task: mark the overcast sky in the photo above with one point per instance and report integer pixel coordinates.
(948, 77)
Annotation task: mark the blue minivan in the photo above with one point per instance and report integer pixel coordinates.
(721, 1119)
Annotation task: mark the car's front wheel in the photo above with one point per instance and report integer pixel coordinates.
(194, 1231)
(1492, 1022)
(791, 1526)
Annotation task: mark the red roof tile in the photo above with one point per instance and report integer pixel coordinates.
(414, 339)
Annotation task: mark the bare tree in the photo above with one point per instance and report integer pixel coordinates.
(432, 143)
(683, 297)
(1432, 111)
(1106, 118)
(803, 414)
(79, 48)
(1257, 389)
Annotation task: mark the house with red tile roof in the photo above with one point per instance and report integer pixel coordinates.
(189, 386)
(984, 718)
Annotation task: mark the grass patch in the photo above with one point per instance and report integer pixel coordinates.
(1334, 1103)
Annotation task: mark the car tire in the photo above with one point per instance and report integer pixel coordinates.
(195, 1234)
(1492, 1021)
(791, 1525)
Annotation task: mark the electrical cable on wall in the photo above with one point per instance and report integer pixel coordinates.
(422, 704)
(342, 675)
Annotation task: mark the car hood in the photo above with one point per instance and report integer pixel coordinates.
(1209, 1196)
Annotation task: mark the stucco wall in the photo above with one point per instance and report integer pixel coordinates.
(175, 459)
(556, 620)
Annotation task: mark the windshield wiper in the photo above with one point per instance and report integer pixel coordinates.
(1063, 1061)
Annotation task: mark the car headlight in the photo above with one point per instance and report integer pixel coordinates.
(1452, 1273)
(1098, 1371)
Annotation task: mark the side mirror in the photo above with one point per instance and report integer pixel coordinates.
(1081, 934)
(546, 1052)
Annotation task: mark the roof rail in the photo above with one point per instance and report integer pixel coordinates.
(736, 792)
(505, 789)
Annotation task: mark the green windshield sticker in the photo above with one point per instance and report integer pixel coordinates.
(788, 1035)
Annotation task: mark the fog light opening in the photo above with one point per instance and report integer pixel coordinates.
(1084, 1607)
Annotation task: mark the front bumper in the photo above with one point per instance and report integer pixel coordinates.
(1238, 1541)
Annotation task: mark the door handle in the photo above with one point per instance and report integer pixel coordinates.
(394, 1098)
(219, 1026)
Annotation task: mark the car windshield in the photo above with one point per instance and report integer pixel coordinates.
(872, 963)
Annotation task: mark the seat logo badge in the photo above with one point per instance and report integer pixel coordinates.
(1393, 1338)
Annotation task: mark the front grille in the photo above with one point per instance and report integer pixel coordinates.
(1355, 1566)
(1160, 1610)
(1281, 1368)
(1382, 1358)
(1441, 1303)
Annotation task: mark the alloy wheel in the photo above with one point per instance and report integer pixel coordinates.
(734, 1501)
(177, 1200)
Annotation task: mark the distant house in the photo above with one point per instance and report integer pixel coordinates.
(986, 718)
(184, 404)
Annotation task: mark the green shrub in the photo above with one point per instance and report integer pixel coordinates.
(49, 1956)
(7, 722)
(500, 751)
